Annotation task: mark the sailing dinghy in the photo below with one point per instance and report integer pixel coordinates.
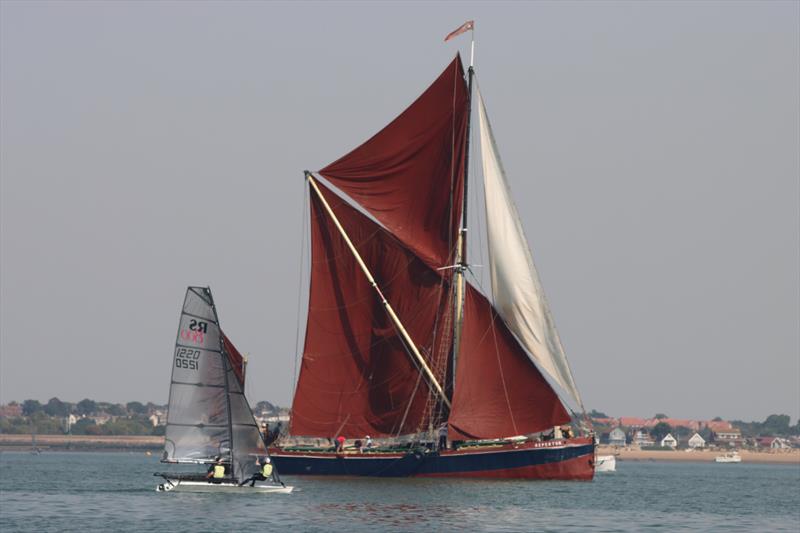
(399, 346)
(209, 420)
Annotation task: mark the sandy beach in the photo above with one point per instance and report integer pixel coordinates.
(630, 454)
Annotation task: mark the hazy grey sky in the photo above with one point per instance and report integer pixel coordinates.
(652, 148)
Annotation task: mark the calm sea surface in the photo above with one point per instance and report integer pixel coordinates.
(115, 492)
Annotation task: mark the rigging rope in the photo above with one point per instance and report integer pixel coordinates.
(295, 376)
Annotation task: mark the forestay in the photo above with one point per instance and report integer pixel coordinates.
(518, 294)
(208, 413)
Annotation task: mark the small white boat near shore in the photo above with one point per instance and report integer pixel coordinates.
(605, 463)
(731, 457)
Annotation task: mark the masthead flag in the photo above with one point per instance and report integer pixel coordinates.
(468, 25)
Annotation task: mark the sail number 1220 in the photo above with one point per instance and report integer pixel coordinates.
(187, 358)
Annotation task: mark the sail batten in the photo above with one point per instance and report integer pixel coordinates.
(516, 288)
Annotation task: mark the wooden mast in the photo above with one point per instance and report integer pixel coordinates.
(386, 305)
(461, 245)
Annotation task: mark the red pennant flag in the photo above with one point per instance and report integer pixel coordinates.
(468, 25)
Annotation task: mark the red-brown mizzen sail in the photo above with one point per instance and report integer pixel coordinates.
(499, 392)
(357, 377)
(409, 175)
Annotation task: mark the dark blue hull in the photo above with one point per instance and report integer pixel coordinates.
(556, 460)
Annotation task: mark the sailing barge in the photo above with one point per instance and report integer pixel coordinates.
(398, 342)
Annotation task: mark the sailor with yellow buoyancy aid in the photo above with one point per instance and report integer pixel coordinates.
(216, 472)
(265, 472)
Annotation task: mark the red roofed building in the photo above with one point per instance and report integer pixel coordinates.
(773, 443)
(10, 410)
(632, 422)
(718, 425)
(612, 422)
(732, 437)
(680, 422)
(675, 422)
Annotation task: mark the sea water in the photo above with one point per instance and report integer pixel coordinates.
(116, 492)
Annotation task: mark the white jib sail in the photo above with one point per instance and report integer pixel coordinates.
(518, 294)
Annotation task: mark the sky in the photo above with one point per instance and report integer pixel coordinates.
(652, 149)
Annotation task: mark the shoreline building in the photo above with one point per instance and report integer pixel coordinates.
(696, 441)
(669, 442)
(617, 437)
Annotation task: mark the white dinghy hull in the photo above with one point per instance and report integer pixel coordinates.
(177, 485)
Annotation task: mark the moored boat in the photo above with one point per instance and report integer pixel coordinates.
(399, 344)
(730, 457)
(605, 463)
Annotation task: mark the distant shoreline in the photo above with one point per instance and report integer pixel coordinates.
(700, 456)
(61, 443)
(126, 443)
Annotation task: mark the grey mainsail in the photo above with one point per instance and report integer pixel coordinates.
(208, 413)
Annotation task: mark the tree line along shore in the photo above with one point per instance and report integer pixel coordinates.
(154, 444)
(94, 418)
(95, 425)
(22, 442)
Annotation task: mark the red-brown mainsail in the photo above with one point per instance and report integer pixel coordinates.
(356, 377)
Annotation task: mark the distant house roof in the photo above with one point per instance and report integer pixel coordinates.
(696, 440)
(605, 421)
(681, 422)
(10, 410)
(617, 436)
(642, 438)
(669, 440)
(773, 442)
(718, 425)
(632, 421)
(728, 433)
